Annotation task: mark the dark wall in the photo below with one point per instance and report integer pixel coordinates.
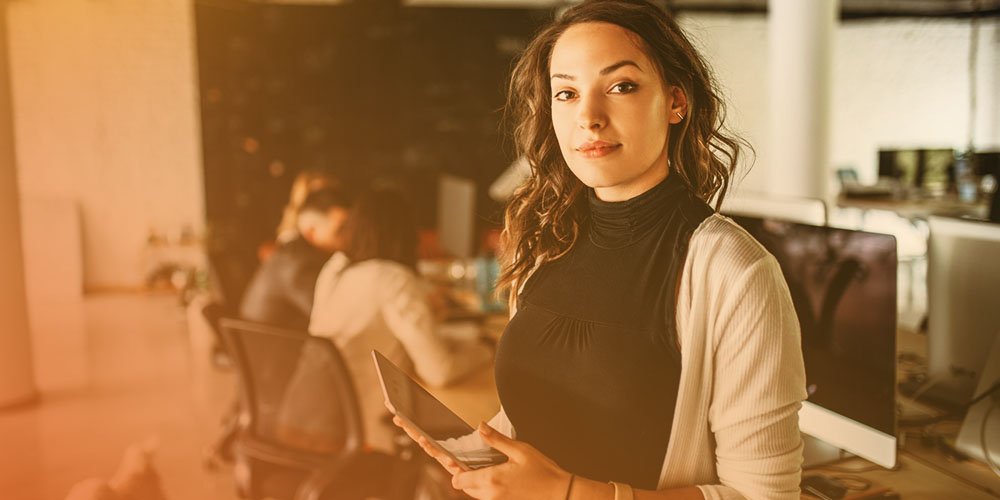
(367, 91)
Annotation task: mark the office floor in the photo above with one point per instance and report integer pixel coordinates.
(147, 378)
(144, 382)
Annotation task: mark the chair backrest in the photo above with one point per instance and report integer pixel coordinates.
(213, 312)
(296, 390)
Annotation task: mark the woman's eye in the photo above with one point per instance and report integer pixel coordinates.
(564, 95)
(624, 88)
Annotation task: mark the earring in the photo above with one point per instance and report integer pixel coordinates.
(679, 115)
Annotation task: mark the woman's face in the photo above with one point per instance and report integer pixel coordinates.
(611, 110)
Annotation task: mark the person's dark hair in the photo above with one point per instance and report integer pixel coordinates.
(322, 200)
(381, 225)
(543, 217)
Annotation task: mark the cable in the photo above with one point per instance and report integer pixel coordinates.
(931, 420)
(984, 444)
(854, 470)
(853, 483)
(926, 386)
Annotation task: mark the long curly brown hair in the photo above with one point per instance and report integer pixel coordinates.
(543, 217)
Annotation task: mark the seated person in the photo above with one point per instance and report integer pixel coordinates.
(305, 183)
(281, 292)
(369, 297)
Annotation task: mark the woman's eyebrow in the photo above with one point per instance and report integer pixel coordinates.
(619, 64)
(606, 71)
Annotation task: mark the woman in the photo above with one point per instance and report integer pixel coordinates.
(653, 343)
(369, 297)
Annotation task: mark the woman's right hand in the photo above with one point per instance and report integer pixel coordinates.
(446, 461)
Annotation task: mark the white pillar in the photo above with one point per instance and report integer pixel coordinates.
(17, 384)
(801, 36)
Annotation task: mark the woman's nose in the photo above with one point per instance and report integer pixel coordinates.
(591, 114)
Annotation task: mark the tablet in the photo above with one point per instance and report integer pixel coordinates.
(405, 398)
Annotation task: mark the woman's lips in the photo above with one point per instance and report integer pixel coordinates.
(597, 149)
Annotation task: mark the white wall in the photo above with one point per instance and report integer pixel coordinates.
(106, 114)
(896, 83)
(106, 107)
(17, 384)
(736, 49)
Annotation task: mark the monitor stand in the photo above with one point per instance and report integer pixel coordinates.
(817, 452)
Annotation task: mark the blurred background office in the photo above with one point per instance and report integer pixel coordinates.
(148, 149)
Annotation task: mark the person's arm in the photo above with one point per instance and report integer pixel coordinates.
(435, 360)
(758, 385)
(588, 489)
(530, 475)
(326, 283)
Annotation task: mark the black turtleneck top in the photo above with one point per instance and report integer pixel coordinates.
(588, 369)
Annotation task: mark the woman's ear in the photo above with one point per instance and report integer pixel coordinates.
(679, 106)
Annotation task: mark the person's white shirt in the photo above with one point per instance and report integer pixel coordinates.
(380, 304)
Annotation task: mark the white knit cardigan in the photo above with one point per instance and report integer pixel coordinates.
(735, 430)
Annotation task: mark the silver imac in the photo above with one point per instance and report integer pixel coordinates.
(456, 215)
(963, 310)
(843, 286)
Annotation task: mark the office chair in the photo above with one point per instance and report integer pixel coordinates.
(213, 312)
(220, 452)
(301, 432)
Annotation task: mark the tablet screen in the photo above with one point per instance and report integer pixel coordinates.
(408, 399)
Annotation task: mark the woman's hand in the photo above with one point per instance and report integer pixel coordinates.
(527, 474)
(446, 461)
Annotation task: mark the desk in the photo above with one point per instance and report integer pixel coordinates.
(922, 209)
(475, 398)
(916, 479)
(923, 474)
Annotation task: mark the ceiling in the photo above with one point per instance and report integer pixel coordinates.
(850, 9)
(858, 8)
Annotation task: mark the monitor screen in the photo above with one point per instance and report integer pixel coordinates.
(901, 164)
(843, 286)
(937, 169)
(456, 212)
(987, 163)
(887, 163)
(929, 169)
(994, 215)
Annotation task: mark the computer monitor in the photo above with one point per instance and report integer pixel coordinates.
(963, 304)
(937, 167)
(456, 215)
(994, 215)
(900, 164)
(987, 163)
(928, 169)
(887, 163)
(979, 436)
(843, 286)
(752, 204)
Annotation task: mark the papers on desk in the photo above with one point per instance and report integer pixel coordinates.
(460, 331)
